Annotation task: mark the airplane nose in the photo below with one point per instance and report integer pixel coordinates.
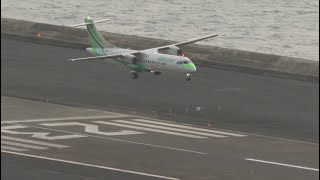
(190, 67)
(194, 68)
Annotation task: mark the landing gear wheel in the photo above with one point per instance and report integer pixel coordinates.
(134, 75)
(188, 77)
(157, 73)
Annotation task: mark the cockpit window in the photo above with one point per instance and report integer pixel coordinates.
(183, 62)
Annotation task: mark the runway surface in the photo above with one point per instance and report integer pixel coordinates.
(233, 100)
(128, 144)
(40, 139)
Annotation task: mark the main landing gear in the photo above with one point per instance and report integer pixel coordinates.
(134, 75)
(189, 77)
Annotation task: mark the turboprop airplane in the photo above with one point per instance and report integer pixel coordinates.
(148, 60)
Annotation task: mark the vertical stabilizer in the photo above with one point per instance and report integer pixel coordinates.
(96, 39)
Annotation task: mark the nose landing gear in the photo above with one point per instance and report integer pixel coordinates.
(189, 77)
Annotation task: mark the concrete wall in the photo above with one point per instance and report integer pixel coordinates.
(200, 54)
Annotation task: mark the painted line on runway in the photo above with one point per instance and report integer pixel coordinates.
(121, 140)
(90, 165)
(67, 118)
(170, 128)
(166, 121)
(149, 129)
(11, 148)
(240, 132)
(92, 128)
(22, 145)
(282, 164)
(33, 142)
(190, 127)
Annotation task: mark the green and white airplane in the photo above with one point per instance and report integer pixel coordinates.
(148, 60)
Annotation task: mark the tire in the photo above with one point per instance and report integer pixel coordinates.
(134, 75)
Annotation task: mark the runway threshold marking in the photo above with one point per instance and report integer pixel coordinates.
(33, 142)
(16, 143)
(22, 145)
(170, 128)
(243, 133)
(121, 140)
(67, 118)
(190, 127)
(282, 164)
(90, 165)
(149, 129)
(11, 148)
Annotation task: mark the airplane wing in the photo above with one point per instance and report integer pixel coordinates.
(105, 57)
(186, 42)
(139, 52)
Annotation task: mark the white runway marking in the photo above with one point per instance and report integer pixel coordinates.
(126, 141)
(170, 128)
(40, 135)
(282, 164)
(247, 134)
(91, 128)
(11, 148)
(149, 129)
(190, 127)
(22, 145)
(67, 118)
(33, 142)
(90, 165)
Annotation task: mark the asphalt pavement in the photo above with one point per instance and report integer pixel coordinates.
(222, 125)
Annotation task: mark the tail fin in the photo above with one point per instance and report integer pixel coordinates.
(96, 39)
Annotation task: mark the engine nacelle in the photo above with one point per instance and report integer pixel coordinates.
(174, 50)
(131, 59)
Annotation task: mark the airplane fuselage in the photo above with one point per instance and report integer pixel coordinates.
(151, 60)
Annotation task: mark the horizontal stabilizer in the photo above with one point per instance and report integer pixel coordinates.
(95, 22)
